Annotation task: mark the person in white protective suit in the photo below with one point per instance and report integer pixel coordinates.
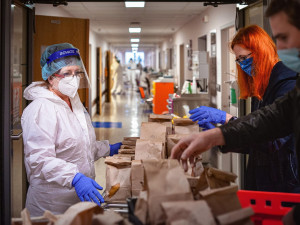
(60, 145)
(131, 73)
(118, 87)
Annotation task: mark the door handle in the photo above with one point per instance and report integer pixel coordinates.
(17, 136)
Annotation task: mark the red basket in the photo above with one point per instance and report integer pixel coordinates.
(269, 207)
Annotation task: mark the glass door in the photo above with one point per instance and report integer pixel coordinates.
(19, 69)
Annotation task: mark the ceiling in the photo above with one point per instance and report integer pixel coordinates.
(158, 20)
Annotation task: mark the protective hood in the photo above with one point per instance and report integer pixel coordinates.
(35, 91)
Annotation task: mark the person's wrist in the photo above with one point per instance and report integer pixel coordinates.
(76, 178)
(228, 117)
(215, 137)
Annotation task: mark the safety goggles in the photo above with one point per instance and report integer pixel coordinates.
(79, 74)
(242, 58)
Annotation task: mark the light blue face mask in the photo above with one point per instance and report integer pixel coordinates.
(290, 58)
(246, 65)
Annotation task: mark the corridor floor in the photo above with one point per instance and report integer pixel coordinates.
(122, 117)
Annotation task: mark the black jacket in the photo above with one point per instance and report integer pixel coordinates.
(272, 164)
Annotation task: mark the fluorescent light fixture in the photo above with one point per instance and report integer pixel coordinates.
(135, 30)
(134, 4)
(134, 40)
(241, 6)
(134, 45)
(134, 49)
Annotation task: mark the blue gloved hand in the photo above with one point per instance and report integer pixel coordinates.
(206, 115)
(114, 148)
(86, 189)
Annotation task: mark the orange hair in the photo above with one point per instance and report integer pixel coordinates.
(264, 53)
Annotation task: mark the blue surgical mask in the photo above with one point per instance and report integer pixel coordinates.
(246, 66)
(291, 58)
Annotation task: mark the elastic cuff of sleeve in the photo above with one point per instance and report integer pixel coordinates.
(232, 118)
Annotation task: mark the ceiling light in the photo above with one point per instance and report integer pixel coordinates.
(134, 40)
(134, 4)
(134, 45)
(134, 49)
(135, 30)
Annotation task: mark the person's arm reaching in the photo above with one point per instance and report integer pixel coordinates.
(268, 123)
(189, 147)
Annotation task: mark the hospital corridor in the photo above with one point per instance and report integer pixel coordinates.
(149, 112)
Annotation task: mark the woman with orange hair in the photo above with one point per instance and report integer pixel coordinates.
(272, 166)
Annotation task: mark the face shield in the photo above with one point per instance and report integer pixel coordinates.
(66, 63)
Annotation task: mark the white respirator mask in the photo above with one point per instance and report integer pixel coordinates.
(69, 86)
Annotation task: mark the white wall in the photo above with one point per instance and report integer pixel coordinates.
(218, 18)
(49, 10)
(95, 42)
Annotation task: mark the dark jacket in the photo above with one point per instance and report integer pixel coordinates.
(272, 165)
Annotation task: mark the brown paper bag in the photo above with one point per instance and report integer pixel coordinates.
(218, 178)
(164, 181)
(127, 147)
(185, 126)
(213, 178)
(189, 212)
(141, 207)
(124, 156)
(130, 138)
(160, 118)
(137, 177)
(79, 214)
(109, 217)
(153, 131)
(237, 217)
(129, 143)
(221, 200)
(126, 151)
(118, 181)
(150, 149)
(172, 140)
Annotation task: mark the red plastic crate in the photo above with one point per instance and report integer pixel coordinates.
(269, 207)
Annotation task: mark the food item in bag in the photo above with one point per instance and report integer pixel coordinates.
(113, 190)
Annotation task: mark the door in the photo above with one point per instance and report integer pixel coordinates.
(99, 78)
(52, 30)
(181, 65)
(108, 81)
(20, 68)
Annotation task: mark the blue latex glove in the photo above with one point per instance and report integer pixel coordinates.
(206, 115)
(207, 126)
(114, 148)
(86, 189)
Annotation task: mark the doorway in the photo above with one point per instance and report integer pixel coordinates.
(229, 76)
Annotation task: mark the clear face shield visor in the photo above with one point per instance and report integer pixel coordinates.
(69, 64)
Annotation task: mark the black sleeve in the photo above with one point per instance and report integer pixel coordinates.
(268, 123)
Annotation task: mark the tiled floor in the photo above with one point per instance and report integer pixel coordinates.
(125, 111)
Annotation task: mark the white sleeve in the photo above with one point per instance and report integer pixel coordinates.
(102, 149)
(39, 123)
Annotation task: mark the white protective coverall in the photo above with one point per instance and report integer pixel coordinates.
(118, 87)
(131, 73)
(58, 143)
